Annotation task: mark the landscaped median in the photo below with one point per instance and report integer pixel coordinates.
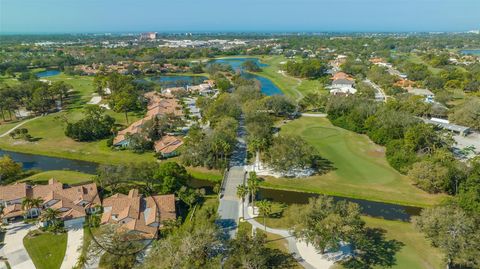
(46, 249)
(360, 167)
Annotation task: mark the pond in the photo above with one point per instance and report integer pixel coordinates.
(178, 81)
(375, 209)
(45, 163)
(267, 86)
(48, 73)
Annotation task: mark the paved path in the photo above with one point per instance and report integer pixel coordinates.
(305, 254)
(74, 244)
(18, 126)
(13, 249)
(380, 94)
(316, 115)
(229, 205)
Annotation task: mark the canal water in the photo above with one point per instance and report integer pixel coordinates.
(374, 209)
(370, 208)
(45, 163)
(267, 86)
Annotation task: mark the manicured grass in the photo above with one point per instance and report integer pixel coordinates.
(286, 83)
(290, 86)
(82, 87)
(50, 132)
(46, 250)
(417, 252)
(414, 58)
(66, 177)
(360, 168)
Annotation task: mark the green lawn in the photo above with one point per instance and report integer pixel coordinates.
(46, 250)
(292, 87)
(417, 253)
(66, 177)
(414, 58)
(360, 168)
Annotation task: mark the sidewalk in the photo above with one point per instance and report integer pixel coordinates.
(305, 253)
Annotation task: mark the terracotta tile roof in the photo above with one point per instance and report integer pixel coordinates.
(377, 60)
(13, 192)
(137, 213)
(158, 105)
(341, 75)
(168, 144)
(72, 201)
(14, 210)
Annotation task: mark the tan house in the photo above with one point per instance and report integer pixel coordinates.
(73, 202)
(158, 105)
(168, 146)
(135, 212)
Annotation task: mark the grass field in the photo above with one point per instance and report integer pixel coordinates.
(46, 250)
(66, 177)
(360, 168)
(414, 58)
(416, 252)
(292, 87)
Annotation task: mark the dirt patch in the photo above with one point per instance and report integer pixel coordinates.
(377, 153)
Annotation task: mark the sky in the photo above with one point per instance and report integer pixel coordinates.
(100, 16)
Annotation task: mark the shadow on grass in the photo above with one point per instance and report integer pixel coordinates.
(373, 249)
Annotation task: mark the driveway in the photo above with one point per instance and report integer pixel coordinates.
(13, 249)
(74, 247)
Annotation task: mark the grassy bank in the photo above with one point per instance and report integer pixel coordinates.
(360, 167)
(46, 250)
(66, 177)
(293, 87)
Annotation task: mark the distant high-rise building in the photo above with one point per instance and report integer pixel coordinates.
(148, 36)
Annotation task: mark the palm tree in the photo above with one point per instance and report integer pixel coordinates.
(26, 206)
(253, 182)
(50, 215)
(266, 209)
(36, 202)
(29, 203)
(242, 191)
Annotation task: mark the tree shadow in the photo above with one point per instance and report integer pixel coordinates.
(322, 165)
(373, 249)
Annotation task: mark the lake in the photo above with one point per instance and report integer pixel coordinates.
(471, 52)
(375, 209)
(267, 86)
(47, 73)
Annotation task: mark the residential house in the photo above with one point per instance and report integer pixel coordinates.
(341, 75)
(168, 146)
(134, 212)
(73, 202)
(342, 87)
(429, 96)
(158, 105)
